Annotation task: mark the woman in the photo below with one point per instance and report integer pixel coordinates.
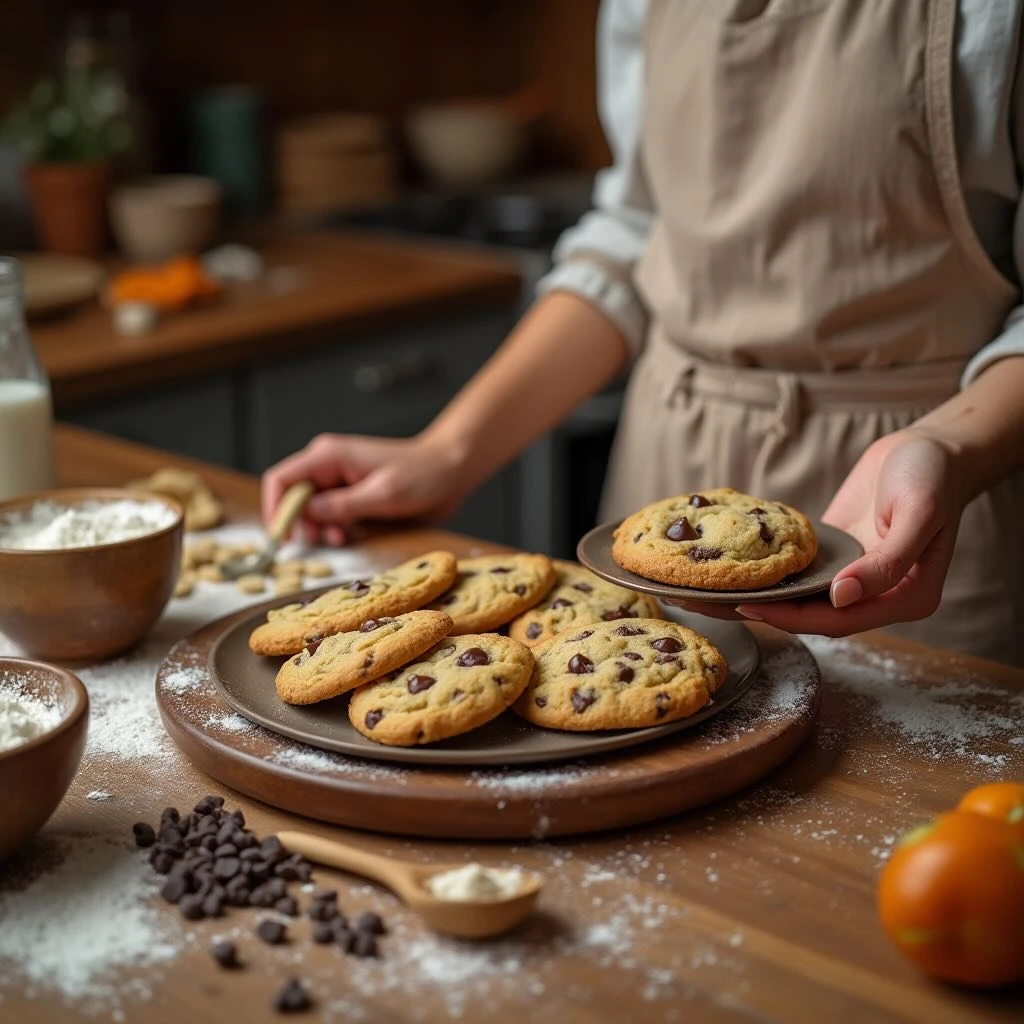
(810, 245)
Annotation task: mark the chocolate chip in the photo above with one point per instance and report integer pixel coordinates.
(144, 834)
(191, 907)
(501, 569)
(358, 586)
(169, 814)
(758, 512)
(225, 868)
(372, 719)
(365, 944)
(213, 905)
(174, 888)
(681, 529)
(368, 660)
(449, 599)
(313, 643)
(561, 602)
(325, 895)
(541, 702)
(272, 932)
(619, 613)
(765, 534)
(699, 501)
(272, 849)
(322, 910)
(277, 887)
(662, 703)
(625, 674)
(323, 933)
(371, 624)
(418, 683)
(225, 849)
(292, 998)
(473, 656)
(422, 565)
(520, 589)
(667, 645)
(582, 636)
(286, 905)
(636, 539)
(225, 953)
(582, 699)
(704, 554)
(261, 897)
(580, 664)
(586, 588)
(209, 803)
(457, 693)
(665, 659)
(630, 631)
(344, 937)
(370, 921)
(632, 655)
(161, 861)
(534, 630)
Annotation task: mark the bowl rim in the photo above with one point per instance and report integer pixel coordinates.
(67, 722)
(72, 495)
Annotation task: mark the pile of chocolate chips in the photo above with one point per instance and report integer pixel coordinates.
(212, 861)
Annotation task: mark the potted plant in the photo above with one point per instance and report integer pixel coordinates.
(68, 131)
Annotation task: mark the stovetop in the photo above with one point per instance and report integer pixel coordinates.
(523, 215)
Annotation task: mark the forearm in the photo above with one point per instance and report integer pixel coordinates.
(563, 351)
(983, 426)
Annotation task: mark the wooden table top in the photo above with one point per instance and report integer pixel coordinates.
(759, 908)
(320, 287)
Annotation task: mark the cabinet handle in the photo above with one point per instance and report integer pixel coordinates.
(375, 378)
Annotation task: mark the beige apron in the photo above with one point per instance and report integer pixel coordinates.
(813, 280)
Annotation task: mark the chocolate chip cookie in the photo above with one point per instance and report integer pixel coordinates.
(579, 598)
(621, 675)
(716, 540)
(405, 588)
(493, 589)
(330, 666)
(462, 683)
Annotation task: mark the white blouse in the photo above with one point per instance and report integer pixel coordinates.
(593, 258)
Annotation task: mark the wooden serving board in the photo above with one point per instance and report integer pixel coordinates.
(737, 748)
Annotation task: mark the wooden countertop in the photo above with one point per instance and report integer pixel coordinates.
(758, 908)
(320, 288)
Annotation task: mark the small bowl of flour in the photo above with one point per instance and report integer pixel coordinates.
(87, 572)
(44, 714)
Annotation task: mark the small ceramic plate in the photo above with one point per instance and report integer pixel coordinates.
(836, 549)
(54, 284)
(246, 682)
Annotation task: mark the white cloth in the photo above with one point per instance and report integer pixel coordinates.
(595, 257)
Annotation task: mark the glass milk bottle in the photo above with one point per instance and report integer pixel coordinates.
(26, 442)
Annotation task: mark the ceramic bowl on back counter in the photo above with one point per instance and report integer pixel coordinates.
(86, 572)
(44, 717)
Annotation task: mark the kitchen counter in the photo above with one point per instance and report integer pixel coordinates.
(758, 908)
(320, 288)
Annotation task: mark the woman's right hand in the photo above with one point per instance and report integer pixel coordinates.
(358, 478)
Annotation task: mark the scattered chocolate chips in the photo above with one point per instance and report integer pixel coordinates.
(583, 635)
(472, 657)
(373, 718)
(632, 655)
(582, 699)
(370, 921)
(704, 554)
(541, 702)
(665, 659)
(520, 589)
(561, 602)
(626, 674)
(764, 533)
(225, 953)
(534, 630)
(313, 643)
(667, 645)
(272, 932)
(619, 613)
(371, 624)
(630, 631)
(681, 529)
(699, 501)
(286, 905)
(580, 664)
(174, 888)
(144, 834)
(191, 907)
(662, 703)
(586, 588)
(418, 683)
(292, 998)
(323, 933)
(365, 944)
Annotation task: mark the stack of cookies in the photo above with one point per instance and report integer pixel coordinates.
(418, 650)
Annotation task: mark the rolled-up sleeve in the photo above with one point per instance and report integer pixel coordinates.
(594, 259)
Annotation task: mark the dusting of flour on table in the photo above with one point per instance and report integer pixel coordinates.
(476, 882)
(48, 526)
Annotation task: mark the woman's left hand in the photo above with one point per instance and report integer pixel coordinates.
(902, 501)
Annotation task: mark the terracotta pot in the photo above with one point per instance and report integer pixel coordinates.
(69, 201)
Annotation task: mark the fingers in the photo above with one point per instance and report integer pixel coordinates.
(319, 462)
(373, 497)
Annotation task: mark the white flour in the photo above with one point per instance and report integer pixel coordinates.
(23, 717)
(47, 526)
(476, 882)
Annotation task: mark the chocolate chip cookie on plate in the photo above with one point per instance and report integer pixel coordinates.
(716, 540)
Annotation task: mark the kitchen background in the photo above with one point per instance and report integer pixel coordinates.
(318, 124)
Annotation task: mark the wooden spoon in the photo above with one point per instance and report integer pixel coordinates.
(293, 502)
(467, 919)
